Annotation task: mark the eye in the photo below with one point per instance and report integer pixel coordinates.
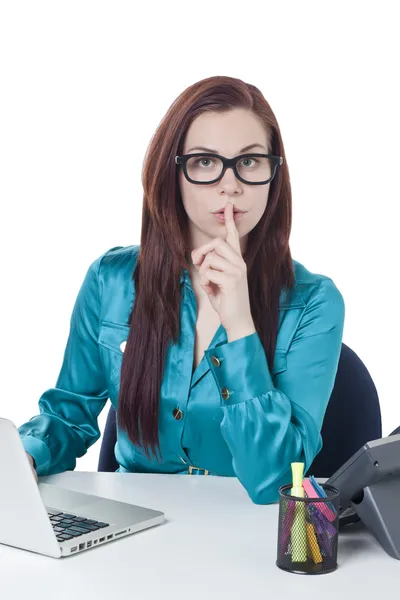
(200, 161)
(249, 159)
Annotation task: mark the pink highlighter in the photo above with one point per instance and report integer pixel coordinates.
(321, 506)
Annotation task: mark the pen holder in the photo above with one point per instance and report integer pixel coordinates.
(308, 531)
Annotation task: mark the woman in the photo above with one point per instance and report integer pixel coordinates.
(218, 351)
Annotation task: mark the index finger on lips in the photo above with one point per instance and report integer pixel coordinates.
(232, 234)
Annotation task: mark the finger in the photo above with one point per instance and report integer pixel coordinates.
(232, 234)
(204, 281)
(206, 284)
(199, 254)
(218, 263)
(219, 278)
(221, 247)
(208, 289)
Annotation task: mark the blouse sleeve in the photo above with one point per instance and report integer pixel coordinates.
(67, 424)
(270, 423)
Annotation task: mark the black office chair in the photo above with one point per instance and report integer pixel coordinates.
(107, 460)
(352, 418)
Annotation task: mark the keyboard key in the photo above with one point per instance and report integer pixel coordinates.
(56, 518)
(77, 528)
(89, 527)
(73, 533)
(64, 536)
(89, 521)
(59, 529)
(53, 512)
(68, 516)
(100, 524)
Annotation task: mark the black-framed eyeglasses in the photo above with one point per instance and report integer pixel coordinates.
(260, 171)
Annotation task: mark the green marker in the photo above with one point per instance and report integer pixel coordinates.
(298, 533)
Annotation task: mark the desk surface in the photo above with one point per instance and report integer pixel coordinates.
(215, 543)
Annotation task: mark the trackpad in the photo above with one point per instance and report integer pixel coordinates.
(67, 500)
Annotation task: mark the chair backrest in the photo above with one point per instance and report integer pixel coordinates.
(107, 460)
(352, 418)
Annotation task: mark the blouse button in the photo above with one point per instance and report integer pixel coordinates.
(225, 393)
(122, 346)
(215, 361)
(177, 413)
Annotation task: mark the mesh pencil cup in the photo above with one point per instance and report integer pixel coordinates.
(308, 531)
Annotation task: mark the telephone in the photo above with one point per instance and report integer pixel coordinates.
(369, 485)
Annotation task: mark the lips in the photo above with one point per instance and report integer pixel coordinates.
(236, 216)
(221, 212)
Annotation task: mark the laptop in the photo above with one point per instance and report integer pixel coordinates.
(56, 522)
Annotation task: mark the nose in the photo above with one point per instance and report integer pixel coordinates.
(229, 183)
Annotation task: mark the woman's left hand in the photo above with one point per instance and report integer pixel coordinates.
(223, 276)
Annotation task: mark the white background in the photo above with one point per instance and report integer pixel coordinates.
(83, 87)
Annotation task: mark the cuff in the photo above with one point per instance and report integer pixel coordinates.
(39, 451)
(240, 369)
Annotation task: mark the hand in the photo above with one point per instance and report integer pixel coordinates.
(30, 459)
(223, 276)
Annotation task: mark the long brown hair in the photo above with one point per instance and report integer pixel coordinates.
(155, 317)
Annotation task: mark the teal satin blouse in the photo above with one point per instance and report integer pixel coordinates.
(270, 418)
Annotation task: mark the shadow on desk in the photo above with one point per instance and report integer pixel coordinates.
(351, 543)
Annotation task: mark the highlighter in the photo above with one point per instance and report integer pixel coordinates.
(298, 535)
(313, 544)
(321, 506)
(328, 527)
(321, 492)
(287, 525)
(321, 534)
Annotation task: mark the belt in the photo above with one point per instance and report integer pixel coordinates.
(192, 470)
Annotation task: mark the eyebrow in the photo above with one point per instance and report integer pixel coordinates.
(215, 151)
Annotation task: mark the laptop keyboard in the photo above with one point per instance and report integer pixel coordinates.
(67, 526)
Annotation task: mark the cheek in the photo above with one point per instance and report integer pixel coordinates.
(193, 200)
(258, 206)
(186, 193)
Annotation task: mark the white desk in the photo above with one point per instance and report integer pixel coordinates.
(215, 544)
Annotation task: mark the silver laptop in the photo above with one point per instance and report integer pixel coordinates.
(53, 521)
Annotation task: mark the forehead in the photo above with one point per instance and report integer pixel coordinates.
(226, 132)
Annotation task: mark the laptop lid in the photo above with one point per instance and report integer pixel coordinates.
(23, 517)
